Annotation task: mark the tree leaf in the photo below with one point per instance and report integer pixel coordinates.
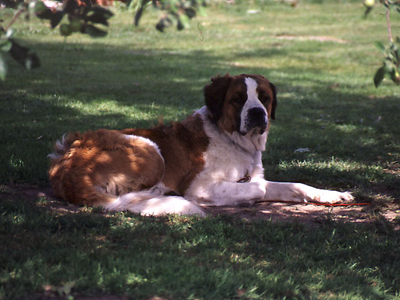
(180, 25)
(94, 31)
(183, 22)
(389, 65)
(23, 56)
(10, 4)
(32, 61)
(18, 53)
(379, 76)
(76, 25)
(163, 23)
(38, 7)
(65, 30)
(102, 11)
(56, 18)
(97, 18)
(3, 68)
(160, 26)
(138, 15)
(173, 7)
(47, 14)
(140, 11)
(70, 6)
(5, 46)
(190, 12)
(395, 76)
(368, 10)
(380, 46)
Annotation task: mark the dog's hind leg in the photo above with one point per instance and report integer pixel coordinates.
(148, 203)
(96, 167)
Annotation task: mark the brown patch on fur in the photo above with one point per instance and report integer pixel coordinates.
(182, 145)
(267, 88)
(235, 98)
(215, 94)
(94, 167)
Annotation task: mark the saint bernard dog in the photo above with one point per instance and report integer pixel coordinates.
(212, 158)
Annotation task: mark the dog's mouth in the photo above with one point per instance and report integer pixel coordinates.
(257, 130)
(256, 122)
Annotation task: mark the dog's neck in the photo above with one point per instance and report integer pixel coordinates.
(252, 142)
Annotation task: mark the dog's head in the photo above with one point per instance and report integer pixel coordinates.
(242, 103)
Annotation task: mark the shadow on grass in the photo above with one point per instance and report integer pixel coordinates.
(179, 258)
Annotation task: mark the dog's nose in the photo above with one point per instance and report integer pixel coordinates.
(256, 118)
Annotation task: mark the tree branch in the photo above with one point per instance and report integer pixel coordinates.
(389, 27)
(16, 16)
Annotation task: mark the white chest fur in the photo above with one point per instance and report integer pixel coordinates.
(225, 164)
(225, 161)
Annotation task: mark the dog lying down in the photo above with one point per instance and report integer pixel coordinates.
(211, 158)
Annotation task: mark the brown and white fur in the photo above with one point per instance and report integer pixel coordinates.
(212, 158)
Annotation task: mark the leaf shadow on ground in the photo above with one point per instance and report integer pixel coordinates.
(211, 258)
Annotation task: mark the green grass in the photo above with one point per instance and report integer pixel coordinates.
(327, 103)
(189, 258)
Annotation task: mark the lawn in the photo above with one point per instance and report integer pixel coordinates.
(322, 59)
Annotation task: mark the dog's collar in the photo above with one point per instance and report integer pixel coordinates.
(245, 179)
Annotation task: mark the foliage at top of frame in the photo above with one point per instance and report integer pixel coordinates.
(390, 65)
(22, 55)
(86, 18)
(176, 11)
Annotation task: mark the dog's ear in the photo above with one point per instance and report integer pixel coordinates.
(274, 101)
(215, 93)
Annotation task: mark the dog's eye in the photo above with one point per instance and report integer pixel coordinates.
(237, 99)
(263, 98)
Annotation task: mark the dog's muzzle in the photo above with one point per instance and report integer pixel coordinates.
(256, 118)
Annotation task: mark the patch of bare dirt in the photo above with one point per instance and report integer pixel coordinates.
(311, 38)
(274, 211)
(310, 213)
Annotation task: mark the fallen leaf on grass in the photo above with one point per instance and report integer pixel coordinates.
(301, 150)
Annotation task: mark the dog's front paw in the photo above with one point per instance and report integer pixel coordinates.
(255, 190)
(326, 196)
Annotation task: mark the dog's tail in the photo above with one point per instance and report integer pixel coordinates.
(76, 187)
(148, 203)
